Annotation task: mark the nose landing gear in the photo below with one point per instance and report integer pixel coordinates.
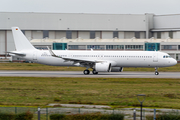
(156, 71)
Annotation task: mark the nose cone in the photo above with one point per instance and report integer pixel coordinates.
(173, 62)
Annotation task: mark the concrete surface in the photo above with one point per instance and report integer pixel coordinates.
(100, 75)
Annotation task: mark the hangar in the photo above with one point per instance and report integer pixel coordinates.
(79, 31)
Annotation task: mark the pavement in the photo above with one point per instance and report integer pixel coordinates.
(100, 75)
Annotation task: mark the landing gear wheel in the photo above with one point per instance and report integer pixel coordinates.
(86, 72)
(94, 72)
(156, 73)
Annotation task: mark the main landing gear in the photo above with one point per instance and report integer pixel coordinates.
(86, 72)
(156, 71)
(94, 72)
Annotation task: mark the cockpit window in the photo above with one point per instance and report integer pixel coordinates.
(166, 56)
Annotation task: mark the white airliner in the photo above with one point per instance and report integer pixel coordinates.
(99, 61)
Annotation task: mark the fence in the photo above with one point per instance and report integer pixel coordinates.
(46, 112)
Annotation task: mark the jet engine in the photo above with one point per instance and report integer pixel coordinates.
(103, 67)
(116, 69)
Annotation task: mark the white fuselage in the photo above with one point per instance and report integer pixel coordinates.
(99, 61)
(116, 58)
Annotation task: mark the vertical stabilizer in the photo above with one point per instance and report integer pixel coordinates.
(21, 42)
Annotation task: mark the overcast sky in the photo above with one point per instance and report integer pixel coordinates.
(158, 7)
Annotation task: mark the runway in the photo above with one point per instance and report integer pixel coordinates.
(80, 74)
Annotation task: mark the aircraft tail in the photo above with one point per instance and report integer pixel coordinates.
(21, 42)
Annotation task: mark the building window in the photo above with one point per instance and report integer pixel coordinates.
(152, 46)
(114, 47)
(115, 34)
(171, 34)
(59, 46)
(42, 47)
(169, 47)
(73, 47)
(69, 34)
(45, 33)
(158, 35)
(137, 34)
(76, 47)
(96, 47)
(134, 47)
(92, 34)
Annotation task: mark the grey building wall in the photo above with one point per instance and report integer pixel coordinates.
(142, 35)
(164, 22)
(28, 34)
(129, 35)
(176, 35)
(37, 34)
(2, 42)
(80, 25)
(52, 34)
(74, 34)
(164, 35)
(167, 23)
(10, 41)
(84, 35)
(98, 35)
(68, 21)
(121, 35)
(149, 21)
(107, 35)
(60, 34)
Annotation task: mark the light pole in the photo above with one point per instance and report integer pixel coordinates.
(142, 96)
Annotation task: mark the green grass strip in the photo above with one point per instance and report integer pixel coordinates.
(116, 92)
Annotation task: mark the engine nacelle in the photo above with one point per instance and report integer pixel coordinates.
(103, 67)
(116, 69)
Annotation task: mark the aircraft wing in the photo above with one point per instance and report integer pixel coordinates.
(17, 53)
(76, 60)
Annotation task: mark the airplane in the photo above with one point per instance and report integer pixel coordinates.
(99, 61)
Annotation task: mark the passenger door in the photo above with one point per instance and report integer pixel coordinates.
(35, 55)
(155, 57)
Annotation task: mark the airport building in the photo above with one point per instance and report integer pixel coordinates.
(78, 31)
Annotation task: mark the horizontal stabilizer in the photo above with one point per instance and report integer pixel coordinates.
(17, 53)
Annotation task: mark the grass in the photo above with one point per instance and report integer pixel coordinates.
(116, 92)
(40, 67)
